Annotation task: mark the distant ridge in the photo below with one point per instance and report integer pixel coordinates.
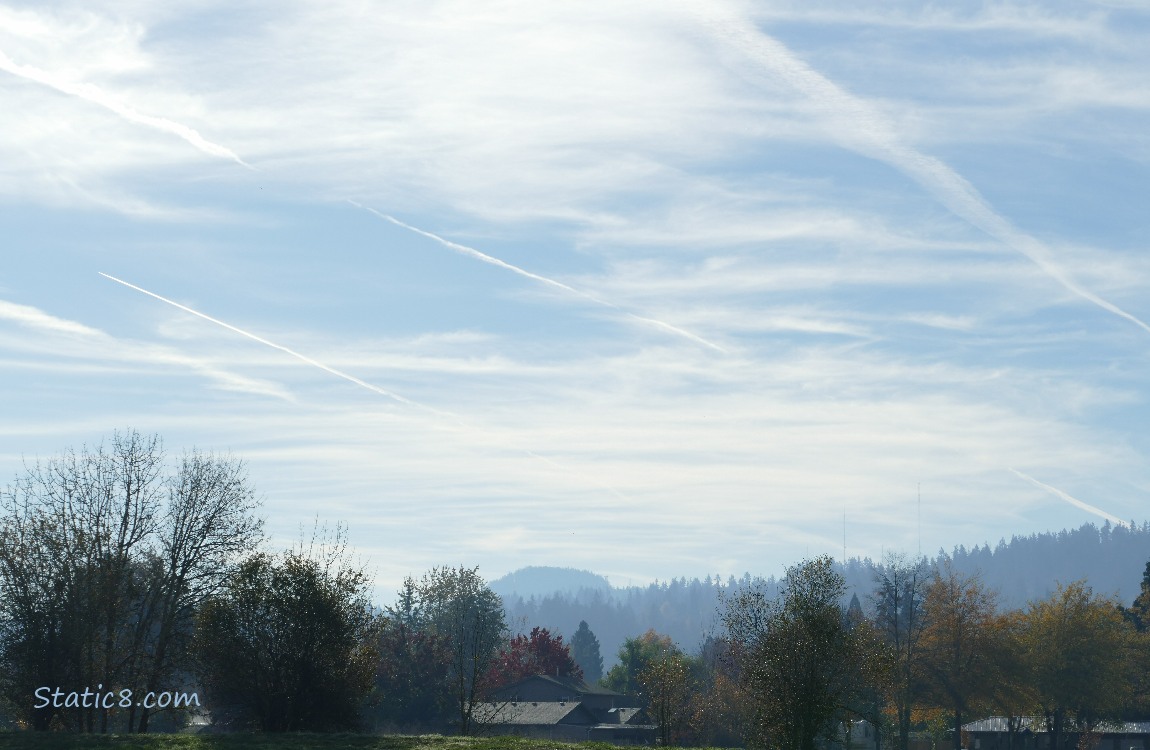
(541, 580)
(1110, 558)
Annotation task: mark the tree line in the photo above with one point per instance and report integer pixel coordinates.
(124, 573)
(1020, 569)
(929, 651)
(106, 557)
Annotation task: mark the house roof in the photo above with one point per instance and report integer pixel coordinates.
(533, 712)
(1038, 725)
(577, 687)
(622, 716)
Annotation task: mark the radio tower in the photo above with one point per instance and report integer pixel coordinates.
(920, 520)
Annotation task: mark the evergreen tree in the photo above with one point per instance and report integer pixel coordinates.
(1139, 613)
(585, 650)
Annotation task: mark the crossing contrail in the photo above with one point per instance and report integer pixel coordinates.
(1072, 500)
(485, 258)
(358, 381)
(96, 95)
(862, 127)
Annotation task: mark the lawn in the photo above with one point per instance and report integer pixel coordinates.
(238, 741)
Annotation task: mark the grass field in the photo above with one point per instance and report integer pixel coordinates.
(47, 741)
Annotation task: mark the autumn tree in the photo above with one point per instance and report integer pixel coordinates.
(1011, 693)
(585, 652)
(289, 644)
(801, 661)
(666, 685)
(721, 709)
(956, 645)
(457, 605)
(1080, 650)
(900, 619)
(526, 655)
(412, 678)
(635, 655)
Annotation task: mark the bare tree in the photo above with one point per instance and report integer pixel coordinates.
(95, 510)
(209, 521)
(900, 619)
(99, 574)
(36, 643)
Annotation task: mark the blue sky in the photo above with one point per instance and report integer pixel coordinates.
(655, 289)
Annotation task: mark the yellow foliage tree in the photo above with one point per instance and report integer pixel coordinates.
(666, 681)
(1081, 653)
(957, 648)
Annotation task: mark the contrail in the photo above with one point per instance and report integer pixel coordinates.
(94, 94)
(1072, 500)
(303, 358)
(362, 383)
(862, 127)
(484, 257)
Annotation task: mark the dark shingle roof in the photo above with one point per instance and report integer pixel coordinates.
(577, 687)
(533, 712)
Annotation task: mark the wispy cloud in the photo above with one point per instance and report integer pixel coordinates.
(1024, 19)
(1071, 499)
(350, 378)
(102, 351)
(94, 94)
(754, 196)
(861, 126)
(38, 319)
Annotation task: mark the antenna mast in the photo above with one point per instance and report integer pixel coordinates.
(844, 539)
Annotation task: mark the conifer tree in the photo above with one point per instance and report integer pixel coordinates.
(585, 651)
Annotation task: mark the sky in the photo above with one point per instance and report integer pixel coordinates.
(655, 289)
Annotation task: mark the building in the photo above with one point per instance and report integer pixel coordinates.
(1029, 733)
(562, 708)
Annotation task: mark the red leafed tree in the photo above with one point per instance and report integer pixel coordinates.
(526, 655)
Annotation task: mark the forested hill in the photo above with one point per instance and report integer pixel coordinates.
(1111, 559)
